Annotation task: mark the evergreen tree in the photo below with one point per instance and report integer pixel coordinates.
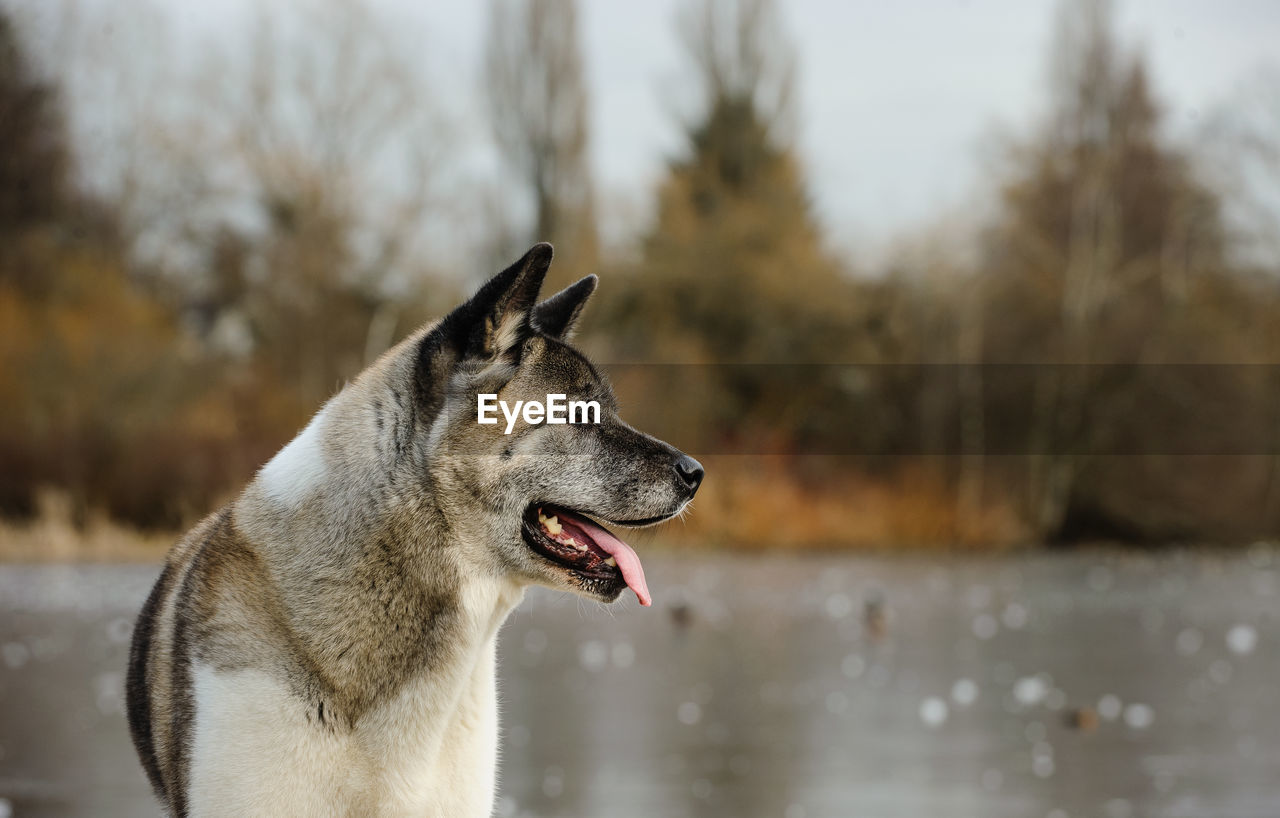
(734, 271)
(539, 111)
(734, 268)
(33, 151)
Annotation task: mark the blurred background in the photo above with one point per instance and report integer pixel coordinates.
(970, 308)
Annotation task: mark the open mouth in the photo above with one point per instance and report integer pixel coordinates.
(574, 542)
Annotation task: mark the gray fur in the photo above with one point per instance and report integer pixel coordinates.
(349, 569)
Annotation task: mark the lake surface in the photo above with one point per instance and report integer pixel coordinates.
(1036, 686)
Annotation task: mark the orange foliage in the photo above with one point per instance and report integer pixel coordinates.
(764, 502)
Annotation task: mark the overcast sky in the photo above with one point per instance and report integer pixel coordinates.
(897, 99)
(897, 103)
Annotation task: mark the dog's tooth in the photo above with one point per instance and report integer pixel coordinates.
(552, 524)
(611, 562)
(581, 546)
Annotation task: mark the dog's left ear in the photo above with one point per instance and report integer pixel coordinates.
(498, 318)
(559, 314)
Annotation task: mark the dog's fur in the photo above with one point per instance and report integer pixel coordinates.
(325, 644)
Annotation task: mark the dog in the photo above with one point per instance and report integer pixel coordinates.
(325, 644)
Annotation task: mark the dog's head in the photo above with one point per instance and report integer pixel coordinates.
(534, 497)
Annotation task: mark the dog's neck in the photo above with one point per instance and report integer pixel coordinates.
(356, 553)
(347, 482)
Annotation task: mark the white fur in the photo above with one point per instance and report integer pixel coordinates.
(508, 334)
(255, 754)
(435, 744)
(298, 468)
(430, 750)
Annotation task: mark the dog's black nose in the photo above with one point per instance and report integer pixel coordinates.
(690, 471)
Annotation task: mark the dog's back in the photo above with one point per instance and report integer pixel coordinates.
(212, 571)
(158, 694)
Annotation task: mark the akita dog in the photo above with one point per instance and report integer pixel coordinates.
(325, 644)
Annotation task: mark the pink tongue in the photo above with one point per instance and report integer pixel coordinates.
(628, 561)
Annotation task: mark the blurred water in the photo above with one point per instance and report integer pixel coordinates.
(1050, 686)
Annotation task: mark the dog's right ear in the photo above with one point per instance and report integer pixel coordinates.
(558, 314)
(498, 318)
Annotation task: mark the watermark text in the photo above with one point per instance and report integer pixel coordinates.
(557, 409)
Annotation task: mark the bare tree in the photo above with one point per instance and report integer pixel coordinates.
(1243, 140)
(1084, 66)
(1104, 228)
(309, 170)
(741, 54)
(539, 114)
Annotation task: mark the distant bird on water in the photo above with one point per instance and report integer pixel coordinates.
(875, 617)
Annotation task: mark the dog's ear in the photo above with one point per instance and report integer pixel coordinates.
(558, 315)
(498, 318)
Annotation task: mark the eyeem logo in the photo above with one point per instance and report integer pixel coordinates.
(557, 409)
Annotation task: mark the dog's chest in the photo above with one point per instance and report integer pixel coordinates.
(436, 749)
(435, 743)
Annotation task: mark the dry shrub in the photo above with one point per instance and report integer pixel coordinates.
(771, 502)
(103, 395)
(53, 535)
